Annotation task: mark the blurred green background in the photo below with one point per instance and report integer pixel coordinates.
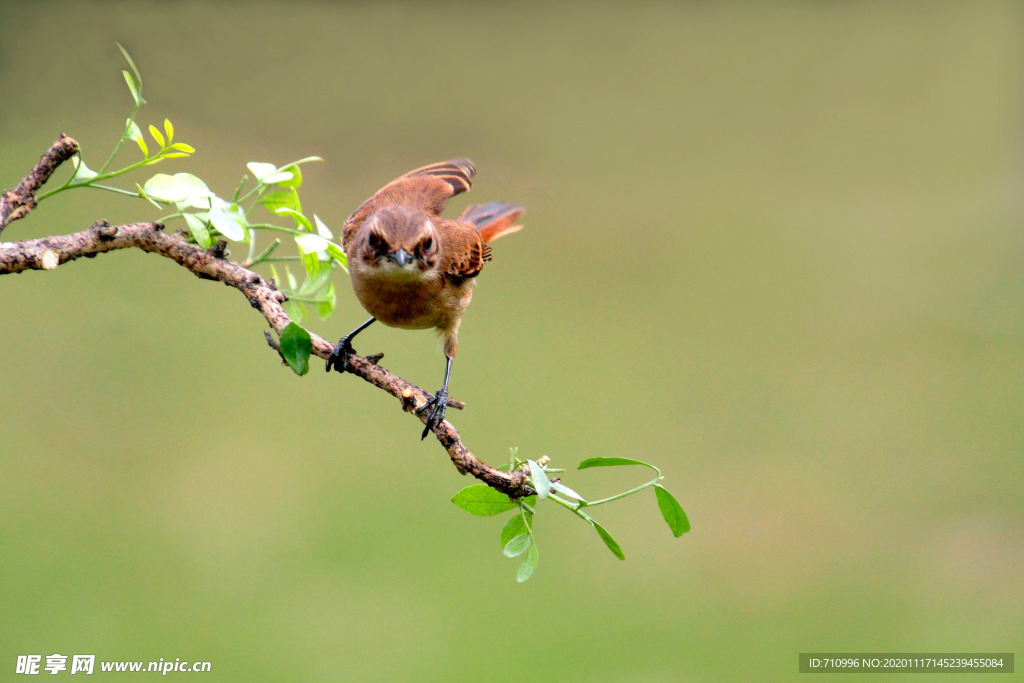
(775, 248)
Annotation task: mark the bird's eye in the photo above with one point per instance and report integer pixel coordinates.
(377, 243)
(428, 243)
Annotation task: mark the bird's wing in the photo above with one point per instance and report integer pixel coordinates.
(464, 248)
(428, 189)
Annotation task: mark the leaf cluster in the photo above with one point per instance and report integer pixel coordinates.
(271, 204)
(517, 537)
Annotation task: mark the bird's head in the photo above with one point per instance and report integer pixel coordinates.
(401, 239)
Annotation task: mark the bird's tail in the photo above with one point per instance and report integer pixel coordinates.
(493, 219)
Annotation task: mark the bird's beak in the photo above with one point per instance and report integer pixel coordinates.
(401, 257)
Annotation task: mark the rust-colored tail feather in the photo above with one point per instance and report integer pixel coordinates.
(493, 220)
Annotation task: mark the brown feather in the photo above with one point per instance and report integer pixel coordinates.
(427, 189)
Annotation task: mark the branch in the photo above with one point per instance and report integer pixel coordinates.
(16, 203)
(48, 253)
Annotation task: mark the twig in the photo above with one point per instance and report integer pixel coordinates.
(16, 203)
(49, 252)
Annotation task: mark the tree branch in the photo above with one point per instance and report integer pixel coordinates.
(48, 253)
(16, 203)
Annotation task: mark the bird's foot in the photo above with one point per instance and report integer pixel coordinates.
(338, 360)
(439, 402)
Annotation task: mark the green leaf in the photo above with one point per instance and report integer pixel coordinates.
(300, 220)
(304, 160)
(312, 244)
(539, 479)
(296, 346)
(261, 169)
(322, 229)
(612, 462)
(326, 305)
(672, 511)
(133, 131)
(528, 566)
(142, 193)
(82, 172)
(517, 545)
(229, 221)
(281, 199)
(294, 309)
(338, 254)
(131, 86)
(480, 499)
(515, 526)
(157, 135)
(173, 155)
(608, 540)
(131, 62)
(294, 181)
(169, 129)
(197, 226)
(181, 146)
(559, 487)
(183, 189)
(269, 174)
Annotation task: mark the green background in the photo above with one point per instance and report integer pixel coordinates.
(775, 248)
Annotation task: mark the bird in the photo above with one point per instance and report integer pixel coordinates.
(413, 269)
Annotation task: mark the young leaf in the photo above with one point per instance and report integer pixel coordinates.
(338, 255)
(322, 229)
(136, 134)
(672, 511)
(304, 160)
(325, 306)
(131, 86)
(528, 566)
(295, 309)
(612, 462)
(539, 479)
(169, 129)
(181, 146)
(131, 62)
(157, 135)
(281, 199)
(82, 172)
(197, 226)
(608, 540)
(559, 487)
(294, 181)
(300, 220)
(517, 545)
(481, 499)
(268, 174)
(184, 189)
(261, 169)
(229, 221)
(515, 526)
(296, 346)
(313, 244)
(142, 193)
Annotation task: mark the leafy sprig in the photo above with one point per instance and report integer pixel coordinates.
(517, 535)
(271, 205)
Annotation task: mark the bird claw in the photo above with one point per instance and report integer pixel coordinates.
(338, 360)
(439, 401)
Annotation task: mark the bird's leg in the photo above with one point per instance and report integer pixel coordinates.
(439, 401)
(339, 356)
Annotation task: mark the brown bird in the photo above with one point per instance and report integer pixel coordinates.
(413, 269)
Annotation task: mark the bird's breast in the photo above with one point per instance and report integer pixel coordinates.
(410, 303)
